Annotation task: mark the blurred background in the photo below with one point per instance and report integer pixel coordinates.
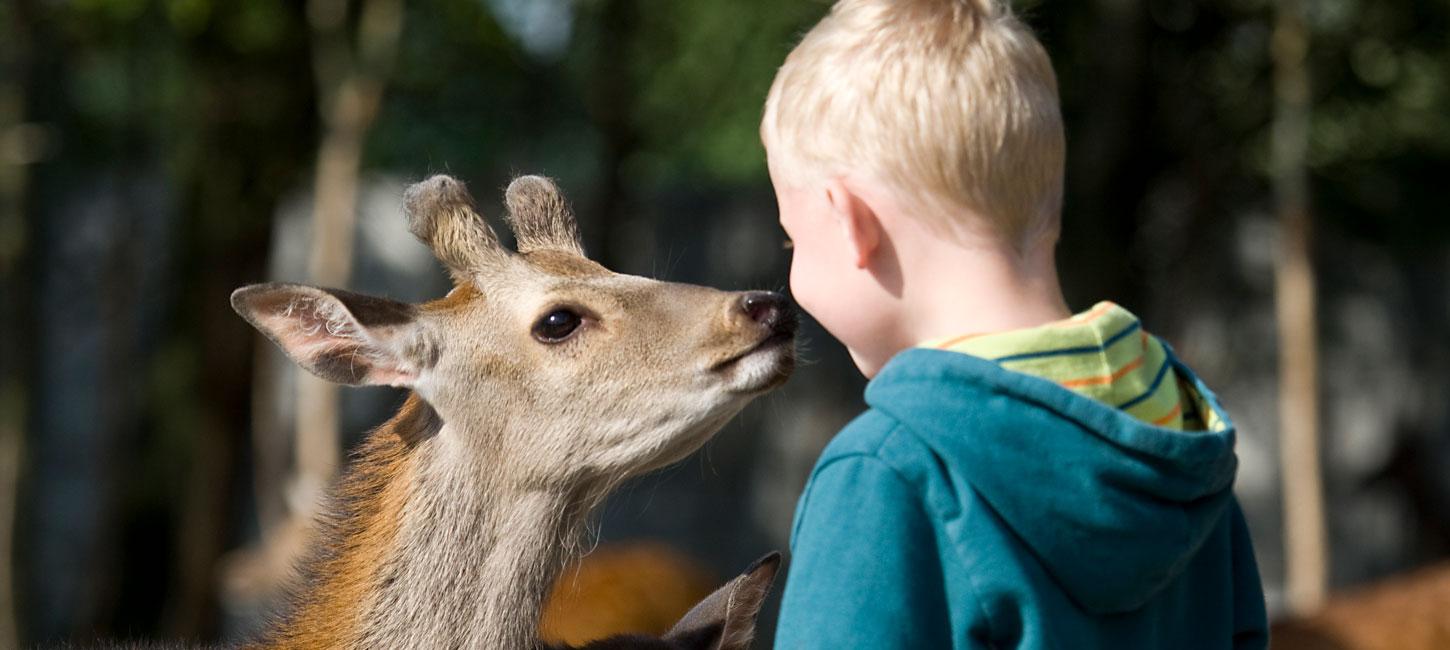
(1263, 182)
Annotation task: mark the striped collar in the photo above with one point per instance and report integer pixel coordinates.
(1102, 353)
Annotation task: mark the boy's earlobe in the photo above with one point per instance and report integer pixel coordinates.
(858, 221)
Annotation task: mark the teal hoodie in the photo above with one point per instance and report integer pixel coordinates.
(976, 507)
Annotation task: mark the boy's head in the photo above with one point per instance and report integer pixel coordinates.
(942, 112)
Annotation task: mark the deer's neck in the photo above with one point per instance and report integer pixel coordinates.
(430, 549)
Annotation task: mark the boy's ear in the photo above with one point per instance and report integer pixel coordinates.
(858, 221)
(725, 620)
(340, 336)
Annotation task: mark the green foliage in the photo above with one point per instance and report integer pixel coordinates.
(1197, 77)
(189, 17)
(1381, 126)
(463, 96)
(256, 26)
(704, 69)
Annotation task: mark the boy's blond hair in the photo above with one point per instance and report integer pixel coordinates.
(953, 103)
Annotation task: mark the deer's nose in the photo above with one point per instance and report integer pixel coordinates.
(770, 309)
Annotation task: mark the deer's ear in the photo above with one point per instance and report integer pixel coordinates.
(343, 337)
(725, 620)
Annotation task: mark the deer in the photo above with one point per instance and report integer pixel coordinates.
(1409, 611)
(541, 381)
(724, 620)
(637, 586)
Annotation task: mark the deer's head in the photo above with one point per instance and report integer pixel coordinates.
(540, 361)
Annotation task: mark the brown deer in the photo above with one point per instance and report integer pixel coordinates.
(637, 586)
(1404, 612)
(538, 383)
(724, 620)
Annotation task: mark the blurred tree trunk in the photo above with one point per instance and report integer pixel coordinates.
(235, 166)
(351, 72)
(17, 149)
(1305, 545)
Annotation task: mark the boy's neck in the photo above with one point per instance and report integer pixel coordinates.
(980, 288)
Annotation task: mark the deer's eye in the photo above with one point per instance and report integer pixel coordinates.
(557, 325)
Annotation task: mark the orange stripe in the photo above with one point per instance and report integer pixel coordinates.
(1177, 408)
(1086, 318)
(1104, 379)
(950, 342)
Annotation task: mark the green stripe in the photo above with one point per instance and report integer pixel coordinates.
(1133, 327)
(1066, 351)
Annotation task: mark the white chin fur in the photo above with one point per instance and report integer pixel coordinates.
(760, 370)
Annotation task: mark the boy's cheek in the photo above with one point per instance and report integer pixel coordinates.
(798, 286)
(801, 286)
(813, 290)
(845, 309)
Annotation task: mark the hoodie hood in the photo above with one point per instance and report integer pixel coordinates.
(1113, 507)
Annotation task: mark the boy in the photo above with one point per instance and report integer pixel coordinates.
(1023, 478)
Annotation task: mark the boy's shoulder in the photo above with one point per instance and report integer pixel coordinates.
(917, 393)
(875, 466)
(864, 435)
(878, 436)
(922, 392)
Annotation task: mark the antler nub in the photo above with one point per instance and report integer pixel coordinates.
(441, 214)
(540, 217)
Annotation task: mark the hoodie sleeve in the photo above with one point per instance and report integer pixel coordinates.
(864, 571)
(1251, 627)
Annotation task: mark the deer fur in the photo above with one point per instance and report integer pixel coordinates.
(458, 513)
